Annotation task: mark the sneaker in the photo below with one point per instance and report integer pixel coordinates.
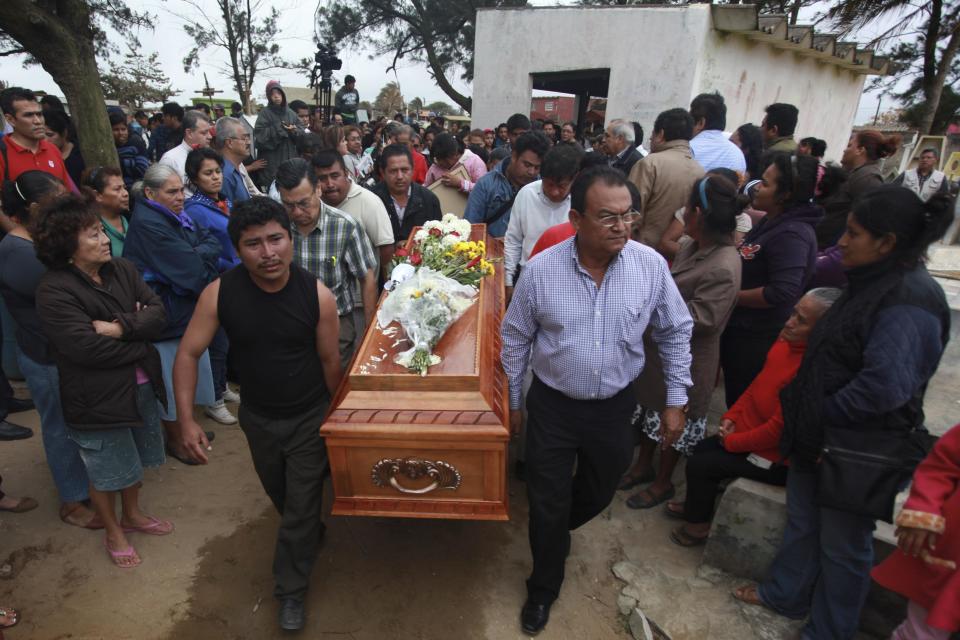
(229, 395)
(220, 413)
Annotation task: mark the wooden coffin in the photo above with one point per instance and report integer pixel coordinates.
(426, 447)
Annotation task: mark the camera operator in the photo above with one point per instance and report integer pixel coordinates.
(347, 100)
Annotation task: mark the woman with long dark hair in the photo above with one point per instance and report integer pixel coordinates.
(854, 413)
(748, 138)
(778, 256)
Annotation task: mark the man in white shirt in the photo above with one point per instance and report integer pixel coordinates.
(709, 145)
(925, 180)
(338, 191)
(197, 132)
(539, 206)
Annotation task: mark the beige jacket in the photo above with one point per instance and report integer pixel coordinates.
(664, 179)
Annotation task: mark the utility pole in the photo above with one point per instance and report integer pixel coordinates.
(876, 116)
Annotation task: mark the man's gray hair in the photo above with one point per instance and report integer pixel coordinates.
(193, 117)
(825, 295)
(393, 129)
(623, 129)
(227, 128)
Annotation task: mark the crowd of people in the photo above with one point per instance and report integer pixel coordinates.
(216, 251)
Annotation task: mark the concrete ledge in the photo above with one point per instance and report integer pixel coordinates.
(747, 529)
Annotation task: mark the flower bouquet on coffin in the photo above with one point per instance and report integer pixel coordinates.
(431, 286)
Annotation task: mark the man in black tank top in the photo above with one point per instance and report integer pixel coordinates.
(283, 327)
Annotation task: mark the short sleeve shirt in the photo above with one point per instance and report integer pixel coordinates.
(47, 158)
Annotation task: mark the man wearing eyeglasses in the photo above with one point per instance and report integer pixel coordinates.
(232, 140)
(332, 246)
(578, 315)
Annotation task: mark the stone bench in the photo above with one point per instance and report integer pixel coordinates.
(748, 528)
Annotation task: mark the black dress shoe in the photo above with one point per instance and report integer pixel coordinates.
(16, 405)
(291, 615)
(533, 617)
(10, 431)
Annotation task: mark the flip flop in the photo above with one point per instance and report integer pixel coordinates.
(629, 482)
(9, 614)
(673, 513)
(23, 505)
(157, 527)
(116, 556)
(679, 536)
(637, 501)
(94, 524)
(748, 595)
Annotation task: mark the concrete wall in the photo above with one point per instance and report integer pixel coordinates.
(750, 75)
(651, 53)
(659, 58)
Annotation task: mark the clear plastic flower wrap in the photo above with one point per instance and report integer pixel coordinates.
(425, 304)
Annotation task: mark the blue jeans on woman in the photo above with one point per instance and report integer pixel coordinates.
(823, 565)
(63, 454)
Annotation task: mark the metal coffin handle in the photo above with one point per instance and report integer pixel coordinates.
(443, 474)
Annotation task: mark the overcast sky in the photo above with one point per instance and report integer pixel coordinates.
(296, 27)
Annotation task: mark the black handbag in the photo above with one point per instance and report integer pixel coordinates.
(863, 471)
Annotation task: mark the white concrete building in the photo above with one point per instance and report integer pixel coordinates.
(645, 59)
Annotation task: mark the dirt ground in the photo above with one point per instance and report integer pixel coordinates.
(375, 577)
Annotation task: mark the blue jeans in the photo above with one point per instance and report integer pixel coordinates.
(823, 565)
(63, 454)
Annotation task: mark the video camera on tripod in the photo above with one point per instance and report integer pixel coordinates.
(326, 62)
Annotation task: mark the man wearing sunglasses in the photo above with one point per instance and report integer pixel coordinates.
(577, 318)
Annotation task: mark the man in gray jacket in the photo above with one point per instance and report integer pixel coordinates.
(276, 133)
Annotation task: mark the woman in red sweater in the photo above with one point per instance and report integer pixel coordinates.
(928, 534)
(746, 445)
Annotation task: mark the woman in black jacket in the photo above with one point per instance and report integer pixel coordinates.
(778, 256)
(100, 318)
(854, 412)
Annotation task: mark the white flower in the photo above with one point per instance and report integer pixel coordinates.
(449, 240)
(433, 224)
(420, 235)
(448, 218)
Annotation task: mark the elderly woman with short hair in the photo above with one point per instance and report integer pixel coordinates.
(178, 258)
(100, 318)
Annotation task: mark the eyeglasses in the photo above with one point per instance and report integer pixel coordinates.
(610, 220)
(303, 205)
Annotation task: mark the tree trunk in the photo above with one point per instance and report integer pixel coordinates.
(440, 77)
(63, 45)
(933, 83)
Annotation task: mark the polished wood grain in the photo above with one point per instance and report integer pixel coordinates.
(457, 414)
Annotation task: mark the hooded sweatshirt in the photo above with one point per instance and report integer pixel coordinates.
(274, 143)
(778, 254)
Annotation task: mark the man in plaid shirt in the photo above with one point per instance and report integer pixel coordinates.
(332, 246)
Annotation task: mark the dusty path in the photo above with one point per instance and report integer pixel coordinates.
(376, 578)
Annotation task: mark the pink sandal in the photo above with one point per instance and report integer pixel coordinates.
(116, 556)
(157, 527)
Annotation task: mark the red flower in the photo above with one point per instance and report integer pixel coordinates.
(416, 259)
(473, 263)
(401, 253)
(455, 233)
(436, 232)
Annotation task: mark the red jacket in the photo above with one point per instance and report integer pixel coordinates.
(419, 166)
(934, 504)
(757, 413)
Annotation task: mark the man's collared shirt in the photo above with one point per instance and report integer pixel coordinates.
(587, 341)
(401, 209)
(233, 185)
(338, 252)
(713, 151)
(177, 158)
(47, 159)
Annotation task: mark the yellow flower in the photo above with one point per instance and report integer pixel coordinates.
(417, 294)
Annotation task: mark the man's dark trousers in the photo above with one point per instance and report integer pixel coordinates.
(291, 460)
(562, 433)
